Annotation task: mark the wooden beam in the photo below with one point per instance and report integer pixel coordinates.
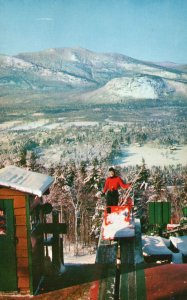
(107, 256)
(51, 228)
(132, 278)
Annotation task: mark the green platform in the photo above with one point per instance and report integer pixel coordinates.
(159, 213)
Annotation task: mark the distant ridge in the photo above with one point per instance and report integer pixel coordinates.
(168, 64)
(96, 77)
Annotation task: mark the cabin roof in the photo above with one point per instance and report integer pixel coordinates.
(25, 181)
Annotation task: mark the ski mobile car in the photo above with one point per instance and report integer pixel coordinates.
(118, 221)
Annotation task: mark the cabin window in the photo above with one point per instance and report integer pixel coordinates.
(2, 222)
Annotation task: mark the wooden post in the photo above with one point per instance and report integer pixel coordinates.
(56, 245)
(61, 251)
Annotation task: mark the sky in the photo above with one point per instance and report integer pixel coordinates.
(152, 30)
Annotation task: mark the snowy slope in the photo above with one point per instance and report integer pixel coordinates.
(17, 72)
(104, 77)
(99, 67)
(135, 87)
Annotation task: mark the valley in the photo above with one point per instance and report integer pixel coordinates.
(72, 113)
(58, 133)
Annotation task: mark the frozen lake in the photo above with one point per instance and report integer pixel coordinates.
(133, 155)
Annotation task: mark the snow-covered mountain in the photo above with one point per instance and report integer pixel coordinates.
(101, 77)
(22, 73)
(131, 87)
(168, 64)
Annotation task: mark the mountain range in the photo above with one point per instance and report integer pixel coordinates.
(92, 77)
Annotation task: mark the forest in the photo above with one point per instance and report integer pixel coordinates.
(76, 147)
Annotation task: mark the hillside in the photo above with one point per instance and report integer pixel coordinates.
(102, 77)
(131, 87)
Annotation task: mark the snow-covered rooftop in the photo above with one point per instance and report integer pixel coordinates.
(24, 180)
(155, 245)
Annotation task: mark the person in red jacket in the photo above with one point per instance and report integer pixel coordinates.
(112, 184)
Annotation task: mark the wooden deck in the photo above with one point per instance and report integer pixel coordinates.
(132, 279)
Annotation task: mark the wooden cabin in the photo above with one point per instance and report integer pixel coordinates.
(21, 244)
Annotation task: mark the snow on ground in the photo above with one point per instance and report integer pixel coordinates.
(44, 124)
(61, 119)
(37, 114)
(134, 154)
(180, 243)
(80, 124)
(9, 124)
(16, 62)
(70, 258)
(79, 259)
(116, 123)
(31, 125)
(52, 126)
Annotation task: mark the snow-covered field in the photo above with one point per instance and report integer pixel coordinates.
(129, 155)
(30, 125)
(134, 154)
(9, 124)
(80, 124)
(71, 258)
(44, 124)
(79, 259)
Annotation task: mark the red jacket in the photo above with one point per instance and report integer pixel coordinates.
(113, 183)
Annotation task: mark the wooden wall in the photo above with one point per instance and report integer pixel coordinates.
(21, 237)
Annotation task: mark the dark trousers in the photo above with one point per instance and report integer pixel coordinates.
(112, 198)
